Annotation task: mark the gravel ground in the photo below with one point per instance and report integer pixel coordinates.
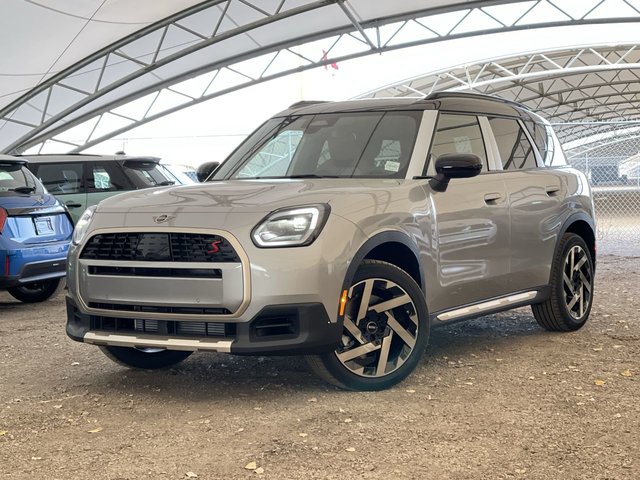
(497, 397)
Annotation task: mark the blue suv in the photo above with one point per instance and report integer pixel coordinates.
(35, 232)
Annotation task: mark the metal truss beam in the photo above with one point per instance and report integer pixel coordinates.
(597, 84)
(151, 64)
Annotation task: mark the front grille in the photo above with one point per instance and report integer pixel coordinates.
(159, 327)
(123, 307)
(160, 247)
(155, 272)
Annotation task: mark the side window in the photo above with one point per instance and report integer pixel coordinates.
(107, 177)
(516, 152)
(457, 134)
(61, 178)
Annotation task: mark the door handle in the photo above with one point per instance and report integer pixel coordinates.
(492, 197)
(73, 204)
(552, 189)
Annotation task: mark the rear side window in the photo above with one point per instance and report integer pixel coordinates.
(61, 178)
(457, 134)
(516, 151)
(107, 177)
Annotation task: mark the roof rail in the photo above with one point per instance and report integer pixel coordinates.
(494, 98)
(306, 103)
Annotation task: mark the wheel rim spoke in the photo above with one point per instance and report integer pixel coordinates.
(567, 282)
(384, 355)
(401, 331)
(353, 330)
(585, 282)
(391, 304)
(582, 261)
(366, 298)
(358, 352)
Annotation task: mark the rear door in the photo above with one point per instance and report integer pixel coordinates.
(471, 242)
(535, 194)
(66, 181)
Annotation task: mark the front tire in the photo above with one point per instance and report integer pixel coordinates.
(386, 331)
(572, 272)
(145, 358)
(35, 292)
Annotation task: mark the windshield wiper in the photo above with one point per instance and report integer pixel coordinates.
(24, 189)
(166, 183)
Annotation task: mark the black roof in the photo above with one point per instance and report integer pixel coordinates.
(457, 102)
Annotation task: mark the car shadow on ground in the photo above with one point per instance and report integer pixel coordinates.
(220, 377)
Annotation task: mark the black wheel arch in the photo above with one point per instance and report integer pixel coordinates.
(583, 225)
(373, 247)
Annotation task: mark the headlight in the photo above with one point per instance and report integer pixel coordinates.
(291, 227)
(81, 228)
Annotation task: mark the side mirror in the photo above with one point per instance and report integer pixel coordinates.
(205, 170)
(454, 165)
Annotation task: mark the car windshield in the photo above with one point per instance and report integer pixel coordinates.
(16, 179)
(344, 145)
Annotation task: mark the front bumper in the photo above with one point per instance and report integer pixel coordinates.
(35, 272)
(290, 329)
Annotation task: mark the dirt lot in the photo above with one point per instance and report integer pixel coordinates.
(493, 398)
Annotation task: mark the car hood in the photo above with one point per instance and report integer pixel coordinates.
(243, 195)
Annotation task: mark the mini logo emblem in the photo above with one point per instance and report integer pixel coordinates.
(40, 200)
(214, 247)
(163, 218)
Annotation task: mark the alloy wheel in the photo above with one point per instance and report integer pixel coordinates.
(380, 328)
(577, 282)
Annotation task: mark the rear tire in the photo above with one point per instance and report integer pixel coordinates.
(572, 272)
(35, 292)
(390, 341)
(145, 359)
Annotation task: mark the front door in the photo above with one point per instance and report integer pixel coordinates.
(471, 242)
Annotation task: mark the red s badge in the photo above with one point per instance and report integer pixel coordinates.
(214, 247)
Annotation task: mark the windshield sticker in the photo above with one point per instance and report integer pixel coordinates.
(391, 166)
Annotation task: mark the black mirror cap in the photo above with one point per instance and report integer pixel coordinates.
(454, 165)
(458, 165)
(205, 170)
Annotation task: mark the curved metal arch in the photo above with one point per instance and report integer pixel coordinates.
(370, 26)
(600, 136)
(584, 84)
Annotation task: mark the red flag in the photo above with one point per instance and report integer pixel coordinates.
(332, 65)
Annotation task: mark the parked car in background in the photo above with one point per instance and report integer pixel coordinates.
(342, 232)
(35, 232)
(80, 181)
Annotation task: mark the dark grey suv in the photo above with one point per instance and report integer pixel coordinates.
(343, 232)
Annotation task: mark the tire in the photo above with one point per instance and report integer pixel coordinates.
(145, 359)
(36, 292)
(398, 335)
(572, 273)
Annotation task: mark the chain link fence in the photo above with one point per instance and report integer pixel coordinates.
(611, 162)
